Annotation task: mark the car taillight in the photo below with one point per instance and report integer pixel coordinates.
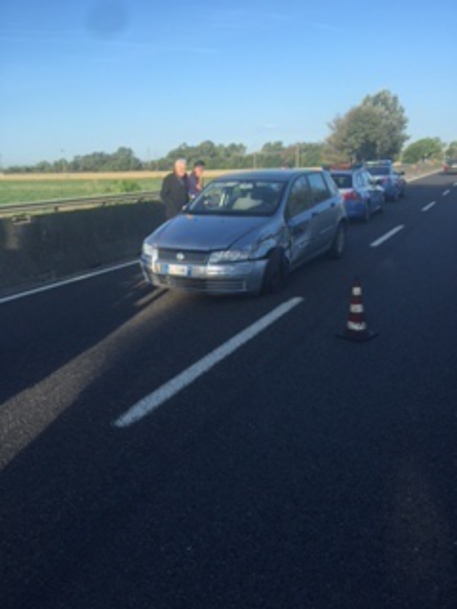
(351, 195)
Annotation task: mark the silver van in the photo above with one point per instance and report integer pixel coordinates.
(246, 231)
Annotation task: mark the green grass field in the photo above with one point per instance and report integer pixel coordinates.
(36, 187)
(25, 191)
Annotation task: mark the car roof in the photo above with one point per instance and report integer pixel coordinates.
(280, 175)
(379, 162)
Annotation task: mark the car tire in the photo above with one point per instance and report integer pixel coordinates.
(275, 274)
(338, 245)
(382, 205)
(366, 213)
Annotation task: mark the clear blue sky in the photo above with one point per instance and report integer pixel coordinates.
(79, 76)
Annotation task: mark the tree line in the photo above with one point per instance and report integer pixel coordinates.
(375, 128)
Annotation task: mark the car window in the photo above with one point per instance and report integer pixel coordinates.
(299, 198)
(342, 180)
(318, 187)
(238, 197)
(331, 184)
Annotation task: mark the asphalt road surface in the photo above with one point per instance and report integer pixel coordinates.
(297, 470)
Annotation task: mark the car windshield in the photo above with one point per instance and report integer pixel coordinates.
(238, 198)
(379, 171)
(342, 180)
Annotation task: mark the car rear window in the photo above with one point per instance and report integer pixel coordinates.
(379, 171)
(342, 180)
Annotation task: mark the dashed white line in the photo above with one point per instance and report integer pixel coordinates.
(429, 206)
(446, 192)
(58, 284)
(164, 393)
(387, 236)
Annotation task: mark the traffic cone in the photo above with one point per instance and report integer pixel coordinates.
(356, 327)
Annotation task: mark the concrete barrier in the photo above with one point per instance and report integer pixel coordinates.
(35, 249)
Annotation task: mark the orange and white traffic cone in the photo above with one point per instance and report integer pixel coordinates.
(356, 327)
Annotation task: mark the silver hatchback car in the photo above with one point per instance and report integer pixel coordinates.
(246, 231)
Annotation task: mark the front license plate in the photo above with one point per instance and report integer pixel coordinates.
(179, 269)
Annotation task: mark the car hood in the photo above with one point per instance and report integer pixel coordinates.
(207, 233)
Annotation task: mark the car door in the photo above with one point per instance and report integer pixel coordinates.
(323, 212)
(298, 218)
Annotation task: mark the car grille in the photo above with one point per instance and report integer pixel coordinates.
(203, 285)
(190, 257)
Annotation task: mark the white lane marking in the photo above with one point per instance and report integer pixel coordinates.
(58, 284)
(429, 206)
(388, 235)
(446, 192)
(152, 401)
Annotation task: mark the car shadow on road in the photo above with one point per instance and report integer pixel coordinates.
(42, 333)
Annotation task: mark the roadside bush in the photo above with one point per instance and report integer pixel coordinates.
(128, 186)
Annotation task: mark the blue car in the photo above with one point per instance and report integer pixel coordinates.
(385, 174)
(362, 196)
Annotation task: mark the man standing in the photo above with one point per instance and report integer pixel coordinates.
(175, 189)
(196, 179)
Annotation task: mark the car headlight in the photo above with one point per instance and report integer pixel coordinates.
(149, 250)
(229, 256)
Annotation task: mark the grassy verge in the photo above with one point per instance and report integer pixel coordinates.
(41, 187)
(25, 191)
(27, 188)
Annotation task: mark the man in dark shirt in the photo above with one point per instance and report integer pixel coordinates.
(196, 179)
(175, 189)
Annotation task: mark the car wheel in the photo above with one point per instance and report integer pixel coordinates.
(395, 196)
(275, 273)
(382, 205)
(403, 193)
(339, 241)
(366, 212)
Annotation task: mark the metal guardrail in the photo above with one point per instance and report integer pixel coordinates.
(74, 203)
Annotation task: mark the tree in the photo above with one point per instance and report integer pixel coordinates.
(43, 167)
(271, 154)
(311, 154)
(123, 160)
(451, 150)
(373, 129)
(425, 148)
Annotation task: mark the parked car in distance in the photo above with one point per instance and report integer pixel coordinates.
(450, 166)
(362, 196)
(246, 231)
(388, 177)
